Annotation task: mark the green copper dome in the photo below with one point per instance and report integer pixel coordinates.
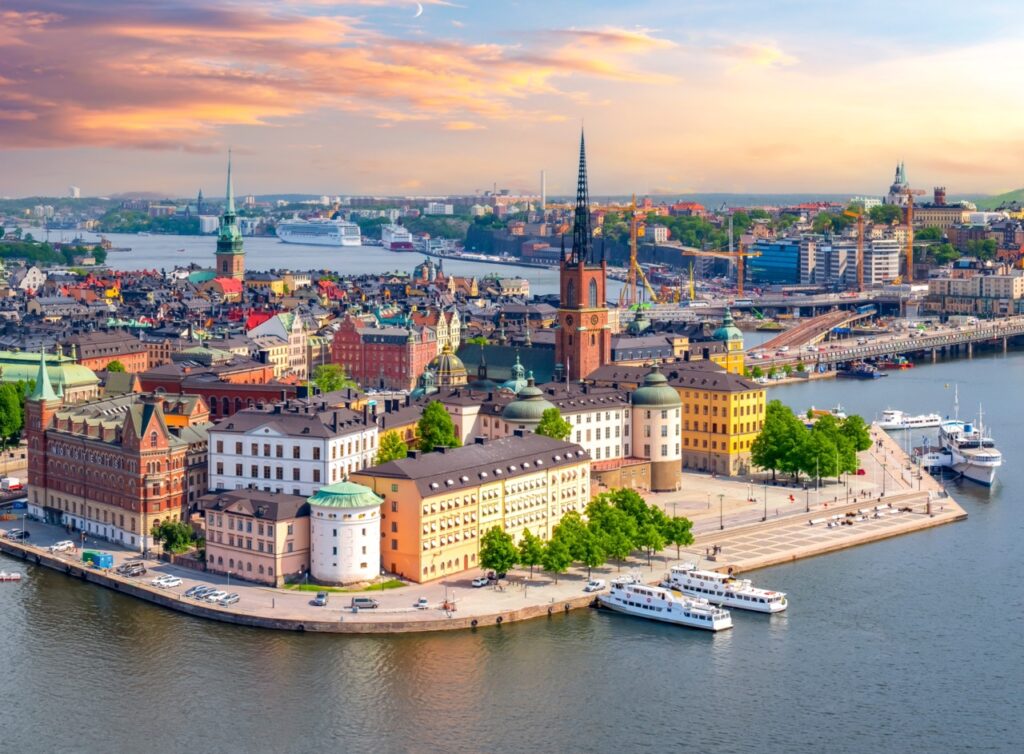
(518, 381)
(655, 392)
(345, 495)
(528, 406)
(728, 331)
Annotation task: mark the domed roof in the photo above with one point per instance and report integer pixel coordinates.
(518, 381)
(528, 406)
(655, 391)
(449, 368)
(426, 384)
(345, 495)
(728, 331)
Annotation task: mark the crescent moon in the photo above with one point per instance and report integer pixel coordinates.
(419, 10)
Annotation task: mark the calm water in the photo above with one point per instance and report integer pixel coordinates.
(907, 645)
(162, 252)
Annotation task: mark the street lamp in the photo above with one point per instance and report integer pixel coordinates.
(884, 467)
(721, 511)
(709, 501)
(765, 516)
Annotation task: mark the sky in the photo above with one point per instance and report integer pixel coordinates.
(436, 97)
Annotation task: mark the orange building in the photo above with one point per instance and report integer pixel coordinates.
(95, 350)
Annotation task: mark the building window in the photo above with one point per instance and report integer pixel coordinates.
(220, 446)
(152, 439)
(593, 294)
(316, 455)
(316, 475)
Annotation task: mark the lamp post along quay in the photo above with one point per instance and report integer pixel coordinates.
(721, 511)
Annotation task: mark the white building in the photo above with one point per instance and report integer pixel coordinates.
(208, 224)
(656, 234)
(344, 533)
(881, 261)
(439, 208)
(74, 192)
(290, 329)
(296, 447)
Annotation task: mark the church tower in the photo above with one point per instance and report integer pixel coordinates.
(584, 340)
(230, 256)
(40, 406)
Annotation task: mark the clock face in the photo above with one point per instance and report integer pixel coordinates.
(593, 319)
(568, 319)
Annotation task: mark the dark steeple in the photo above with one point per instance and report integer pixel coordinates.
(581, 240)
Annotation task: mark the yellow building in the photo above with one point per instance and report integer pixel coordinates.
(438, 506)
(266, 282)
(721, 417)
(731, 356)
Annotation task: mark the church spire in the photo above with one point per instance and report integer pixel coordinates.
(230, 203)
(581, 239)
(43, 390)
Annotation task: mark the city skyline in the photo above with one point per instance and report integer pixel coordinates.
(344, 97)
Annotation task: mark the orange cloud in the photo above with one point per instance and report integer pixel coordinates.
(142, 76)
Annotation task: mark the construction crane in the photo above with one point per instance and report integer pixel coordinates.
(629, 296)
(860, 247)
(910, 193)
(736, 256)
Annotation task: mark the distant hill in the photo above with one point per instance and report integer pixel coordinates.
(991, 202)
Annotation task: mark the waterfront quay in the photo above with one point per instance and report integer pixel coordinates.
(731, 521)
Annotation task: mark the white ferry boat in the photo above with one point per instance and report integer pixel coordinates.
(723, 589)
(320, 232)
(971, 453)
(396, 238)
(894, 419)
(629, 596)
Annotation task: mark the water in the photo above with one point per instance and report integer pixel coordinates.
(906, 645)
(261, 253)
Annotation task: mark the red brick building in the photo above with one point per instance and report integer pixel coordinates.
(383, 357)
(115, 467)
(226, 387)
(95, 350)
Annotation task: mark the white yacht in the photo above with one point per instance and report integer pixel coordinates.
(320, 232)
(972, 454)
(396, 238)
(627, 595)
(894, 419)
(723, 589)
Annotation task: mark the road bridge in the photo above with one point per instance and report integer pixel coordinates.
(813, 330)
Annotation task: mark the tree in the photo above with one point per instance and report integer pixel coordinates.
(573, 532)
(944, 253)
(331, 377)
(116, 366)
(556, 558)
(801, 367)
(497, 550)
(774, 447)
(757, 373)
(176, 536)
(856, 429)
(931, 233)
(531, 550)
(983, 249)
(12, 413)
(678, 531)
(886, 214)
(477, 340)
(651, 539)
(553, 425)
(390, 448)
(435, 429)
(592, 553)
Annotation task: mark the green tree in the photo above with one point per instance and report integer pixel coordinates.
(944, 253)
(115, 366)
(573, 532)
(757, 373)
(983, 249)
(801, 367)
(435, 429)
(856, 429)
(931, 233)
(390, 448)
(176, 536)
(775, 446)
(886, 214)
(616, 529)
(12, 414)
(497, 550)
(678, 531)
(553, 425)
(556, 557)
(592, 552)
(477, 340)
(331, 377)
(651, 539)
(531, 550)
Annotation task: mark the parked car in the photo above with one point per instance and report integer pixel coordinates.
(422, 604)
(62, 546)
(594, 585)
(132, 568)
(229, 600)
(321, 599)
(482, 581)
(191, 591)
(202, 591)
(216, 596)
(365, 603)
(158, 580)
(20, 535)
(172, 581)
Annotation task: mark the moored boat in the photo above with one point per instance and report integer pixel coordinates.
(895, 419)
(4, 576)
(723, 589)
(627, 595)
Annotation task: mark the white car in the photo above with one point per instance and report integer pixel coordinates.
(62, 546)
(216, 596)
(169, 582)
(594, 585)
(482, 581)
(159, 580)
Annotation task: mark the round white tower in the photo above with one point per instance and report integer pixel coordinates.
(656, 429)
(344, 533)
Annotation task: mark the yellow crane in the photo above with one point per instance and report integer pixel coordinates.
(629, 296)
(860, 246)
(737, 256)
(910, 193)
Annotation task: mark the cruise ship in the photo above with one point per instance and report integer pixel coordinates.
(971, 453)
(396, 238)
(320, 232)
(893, 419)
(627, 595)
(723, 589)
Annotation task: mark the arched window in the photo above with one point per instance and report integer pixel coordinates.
(213, 404)
(570, 293)
(593, 294)
(220, 560)
(152, 439)
(226, 406)
(238, 404)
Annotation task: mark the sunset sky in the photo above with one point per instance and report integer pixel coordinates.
(367, 97)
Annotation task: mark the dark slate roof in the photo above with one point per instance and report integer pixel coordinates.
(702, 375)
(295, 419)
(270, 506)
(479, 463)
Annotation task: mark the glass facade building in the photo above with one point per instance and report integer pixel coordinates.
(779, 262)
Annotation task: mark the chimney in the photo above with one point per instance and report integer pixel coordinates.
(480, 440)
(441, 449)
(519, 433)
(413, 454)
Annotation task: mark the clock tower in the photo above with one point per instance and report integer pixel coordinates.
(584, 340)
(230, 256)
